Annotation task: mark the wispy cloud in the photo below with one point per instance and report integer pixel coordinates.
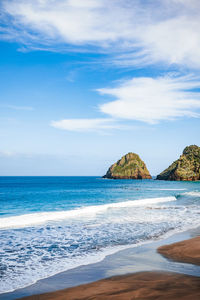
(133, 32)
(71, 76)
(7, 154)
(16, 107)
(145, 99)
(88, 125)
(152, 100)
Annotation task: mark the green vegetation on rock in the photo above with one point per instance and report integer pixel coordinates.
(186, 168)
(130, 166)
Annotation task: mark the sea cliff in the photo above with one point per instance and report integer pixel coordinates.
(186, 168)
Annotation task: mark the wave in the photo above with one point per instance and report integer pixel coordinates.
(192, 194)
(152, 189)
(43, 217)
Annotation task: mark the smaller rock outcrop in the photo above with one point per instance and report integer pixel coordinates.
(186, 168)
(130, 166)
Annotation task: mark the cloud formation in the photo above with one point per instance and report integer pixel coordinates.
(134, 32)
(152, 100)
(80, 125)
(131, 33)
(145, 99)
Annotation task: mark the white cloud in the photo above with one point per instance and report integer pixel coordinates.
(153, 99)
(74, 22)
(142, 32)
(81, 125)
(132, 33)
(144, 99)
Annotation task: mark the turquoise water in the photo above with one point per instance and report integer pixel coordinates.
(52, 224)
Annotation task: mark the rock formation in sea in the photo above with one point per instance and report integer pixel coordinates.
(130, 166)
(186, 168)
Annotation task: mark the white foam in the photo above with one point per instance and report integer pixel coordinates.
(91, 258)
(43, 217)
(167, 189)
(192, 194)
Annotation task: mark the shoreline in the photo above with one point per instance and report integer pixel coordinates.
(131, 260)
(187, 251)
(142, 285)
(107, 252)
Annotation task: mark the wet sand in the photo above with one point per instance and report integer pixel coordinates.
(186, 251)
(142, 285)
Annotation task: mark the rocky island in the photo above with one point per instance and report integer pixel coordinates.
(186, 168)
(130, 166)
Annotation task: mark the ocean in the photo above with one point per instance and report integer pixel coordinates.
(52, 224)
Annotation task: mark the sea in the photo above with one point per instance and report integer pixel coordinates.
(52, 224)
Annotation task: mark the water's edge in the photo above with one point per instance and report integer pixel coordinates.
(131, 259)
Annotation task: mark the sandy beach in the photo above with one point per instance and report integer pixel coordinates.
(142, 285)
(186, 251)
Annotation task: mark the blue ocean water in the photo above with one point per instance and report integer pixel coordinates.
(52, 224)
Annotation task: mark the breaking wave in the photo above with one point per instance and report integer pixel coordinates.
(43, 217)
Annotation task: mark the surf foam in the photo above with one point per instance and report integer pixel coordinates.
(192, 194)
(43, 217)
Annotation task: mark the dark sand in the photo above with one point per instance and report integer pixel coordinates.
(186, 251)
(142, 285)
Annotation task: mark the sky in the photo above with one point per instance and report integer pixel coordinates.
(83, 82)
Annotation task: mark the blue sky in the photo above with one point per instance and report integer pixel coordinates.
(84, 82)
